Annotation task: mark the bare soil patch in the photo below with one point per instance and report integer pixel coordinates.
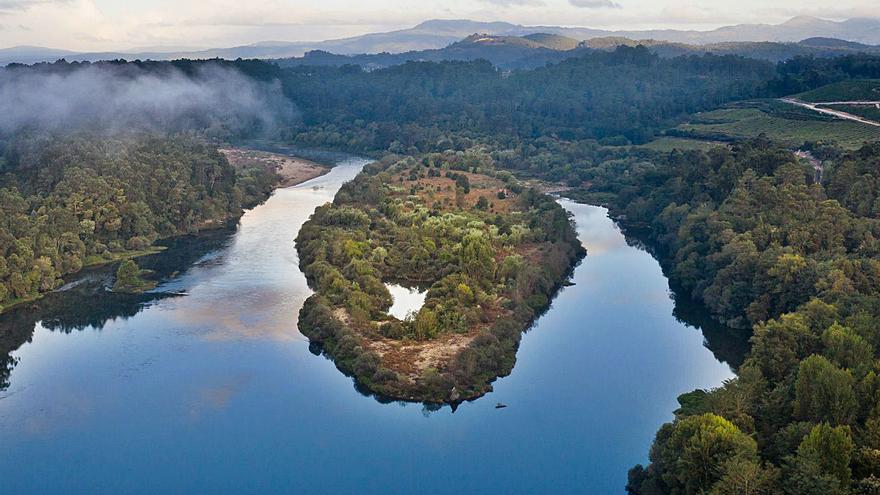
(291, 170)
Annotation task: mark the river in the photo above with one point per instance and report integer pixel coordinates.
(206, 386)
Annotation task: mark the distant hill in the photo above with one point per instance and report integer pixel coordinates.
(553, 41)
(539, 49)
(439, 34)
(764, 50)
(507, 52)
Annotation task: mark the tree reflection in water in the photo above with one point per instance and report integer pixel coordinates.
(89, 303)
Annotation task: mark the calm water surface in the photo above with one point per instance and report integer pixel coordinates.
(206, 386)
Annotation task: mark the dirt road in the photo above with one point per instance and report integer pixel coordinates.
(835, 113)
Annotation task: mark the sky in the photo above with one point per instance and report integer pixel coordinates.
(96, 25)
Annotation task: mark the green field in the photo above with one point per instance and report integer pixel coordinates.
(858, 90)
(668, 143)
(868, 112)
(778, 121)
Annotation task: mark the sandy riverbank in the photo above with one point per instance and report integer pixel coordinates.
(292, 170)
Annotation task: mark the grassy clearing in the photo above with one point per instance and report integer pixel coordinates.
(780, 122)
(863, 89)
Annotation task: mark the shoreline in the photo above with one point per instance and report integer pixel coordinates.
(431, 359)
(291, 170)
(90, 265)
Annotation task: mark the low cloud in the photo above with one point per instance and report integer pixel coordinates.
(115, 98)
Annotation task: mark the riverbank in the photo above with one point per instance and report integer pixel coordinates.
(291, 170)
(95, 365)
(90, 262)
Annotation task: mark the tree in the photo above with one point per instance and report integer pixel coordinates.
(476, 257)
(778, 345)
(425, 324)
(823, 461)
(691, 454)
(746, 477)
(847, 350)
(128, 277)
(824, 392)
(463, 182)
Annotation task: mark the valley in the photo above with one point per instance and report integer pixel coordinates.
(464, 257)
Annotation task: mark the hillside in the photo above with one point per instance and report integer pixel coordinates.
(507, 52)
(784, 123)
(858, 90)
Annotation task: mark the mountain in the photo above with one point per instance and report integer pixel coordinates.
(536, 50)
(440, 34)
(860, 30)
(31, 54)
(507, 52)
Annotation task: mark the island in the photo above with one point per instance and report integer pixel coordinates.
(489, 253)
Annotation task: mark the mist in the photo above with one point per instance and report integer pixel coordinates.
(114, 98)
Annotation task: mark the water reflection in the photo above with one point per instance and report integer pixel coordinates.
(205, 385)
(728, 345)
(237, 282)
(88, 303)
(406, 300)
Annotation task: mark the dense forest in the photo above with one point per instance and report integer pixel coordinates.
(626, 96)
(750, 233)
(492, 253)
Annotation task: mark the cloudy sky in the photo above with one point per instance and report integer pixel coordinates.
(128, 24)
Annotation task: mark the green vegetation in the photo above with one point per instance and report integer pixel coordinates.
(870, 112)
(76, 201)
(857, 90)
(107, 258)
(791, 125)
(627, 95)
(492, 252)
(668, 144)
(744, 228)
(129, 279)
(748, 233)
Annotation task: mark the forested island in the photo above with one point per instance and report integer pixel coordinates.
(491, 252)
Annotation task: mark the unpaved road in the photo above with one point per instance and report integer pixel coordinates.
(836, 113)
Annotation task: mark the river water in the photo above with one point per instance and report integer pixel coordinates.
(206, 386)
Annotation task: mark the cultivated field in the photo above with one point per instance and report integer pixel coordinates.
(791, 125)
